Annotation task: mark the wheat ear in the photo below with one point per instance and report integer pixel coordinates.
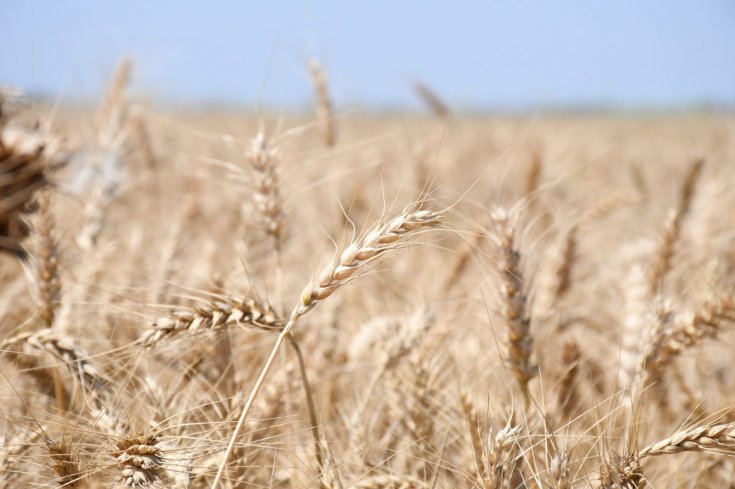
(63, 463)
(263, 157)
(142, 136)
(672, 228)
(671, 341)
(214, 316)
(431, 99)
(324, 110)
(114, 112)
(568, 396)
(63, 349)
(10, 452)
(622, 473)
(47, 266)
(139, 460)
(717, 438)
(514, 309)
(560, 473)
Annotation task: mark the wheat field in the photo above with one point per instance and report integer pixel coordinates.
(341, 300)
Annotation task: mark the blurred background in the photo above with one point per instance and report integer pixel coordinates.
(520, 56)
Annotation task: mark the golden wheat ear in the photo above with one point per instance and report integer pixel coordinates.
(515, 311)
(324, 108)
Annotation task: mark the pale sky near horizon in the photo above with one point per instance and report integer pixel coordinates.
(477, 55)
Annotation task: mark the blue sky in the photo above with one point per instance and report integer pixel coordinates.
(492, 54)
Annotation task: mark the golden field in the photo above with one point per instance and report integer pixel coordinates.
(490, 302)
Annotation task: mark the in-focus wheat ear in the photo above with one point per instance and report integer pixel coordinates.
(383, 237)
(139, 461)
(377, 241)
(715, 438)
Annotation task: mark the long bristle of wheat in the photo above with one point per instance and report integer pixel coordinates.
(514, 308)
(324, 109)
